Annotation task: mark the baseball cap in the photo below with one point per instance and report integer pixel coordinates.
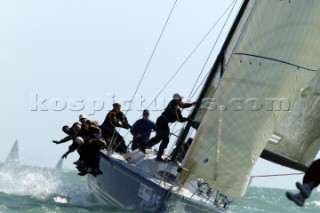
(82, 116)
(177, 96)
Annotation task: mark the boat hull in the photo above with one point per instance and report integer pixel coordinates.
(124, 188)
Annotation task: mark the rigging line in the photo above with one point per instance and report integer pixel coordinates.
(152, 54)
(213, 47)
(278, 60)
(203, 80)
(277, 175)
(211, 51)
(233, 4)
(149, 61)
(176, 131)
(189, 56)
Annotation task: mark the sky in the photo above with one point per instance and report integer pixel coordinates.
(61, 58)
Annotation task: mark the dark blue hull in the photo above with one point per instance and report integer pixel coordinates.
(125, 188)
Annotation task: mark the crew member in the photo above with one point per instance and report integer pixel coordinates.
(90, 135)
(72, 133)
(183, 150)
(141, 131)
(115, 118)
(171, 114)
(83, 120)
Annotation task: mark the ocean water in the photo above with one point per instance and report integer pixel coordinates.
(31, 189)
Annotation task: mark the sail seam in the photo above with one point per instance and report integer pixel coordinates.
(279, 61)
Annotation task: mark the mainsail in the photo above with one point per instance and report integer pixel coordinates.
(13, 156)
(271, 64)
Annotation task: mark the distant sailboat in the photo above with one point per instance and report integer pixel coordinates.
(59, 164)
(13, 156)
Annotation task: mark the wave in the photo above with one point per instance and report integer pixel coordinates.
(26, 188)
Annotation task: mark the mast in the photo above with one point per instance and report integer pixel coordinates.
(214, 70)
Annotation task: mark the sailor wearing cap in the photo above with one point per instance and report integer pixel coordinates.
(171, 114)
(141, 131)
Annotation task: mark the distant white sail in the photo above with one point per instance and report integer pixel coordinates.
(13, 156)
(273, 55)
(59, 164)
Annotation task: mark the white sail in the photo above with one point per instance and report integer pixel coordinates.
(275, 56)
(59, 164)
(298, 132)
(13, 156)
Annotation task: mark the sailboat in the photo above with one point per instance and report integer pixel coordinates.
(59, 164)
(261, 98)
(13, 156)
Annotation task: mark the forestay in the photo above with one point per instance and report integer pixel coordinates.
(273, 56)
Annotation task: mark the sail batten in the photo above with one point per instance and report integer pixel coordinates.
(257, 98)
(279, 60)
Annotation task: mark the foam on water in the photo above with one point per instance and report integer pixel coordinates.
(30, 181)
(316, 203)
(45, 186)
(59, 199)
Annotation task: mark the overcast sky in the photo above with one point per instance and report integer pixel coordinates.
(85, 54)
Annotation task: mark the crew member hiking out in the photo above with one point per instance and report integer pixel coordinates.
(78, 142)
(141, 131)
(171, 114)
(115, 118)
(72, 133)
(83, 120)
(87, 140)
(93, 142)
